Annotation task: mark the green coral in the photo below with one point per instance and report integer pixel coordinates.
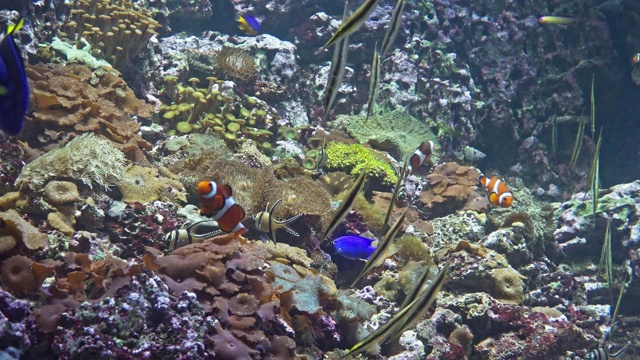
(88, 158)
(355, 158)
(394, 130)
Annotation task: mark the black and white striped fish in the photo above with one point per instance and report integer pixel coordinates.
(190, 234)
(603, 354)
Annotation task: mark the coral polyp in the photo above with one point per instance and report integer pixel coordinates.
(236, 63)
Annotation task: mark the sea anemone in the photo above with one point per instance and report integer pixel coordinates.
(236, 63)
(17, 276)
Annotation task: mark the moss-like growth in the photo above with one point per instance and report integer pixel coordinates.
(87, 158)
(411, 248)
(355, 158)
(390, 131)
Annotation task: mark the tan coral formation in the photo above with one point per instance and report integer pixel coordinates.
(118, 30)
(61, 192)
(254, 188)
(12, 224)
(452, 187)
(66, 98)
(144, 185)
(87, 158)
(243, 285)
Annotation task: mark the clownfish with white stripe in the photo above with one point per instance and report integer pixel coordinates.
(218, 204)
(499, 193)
(420, 157)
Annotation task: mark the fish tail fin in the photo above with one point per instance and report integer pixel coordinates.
(13, 28)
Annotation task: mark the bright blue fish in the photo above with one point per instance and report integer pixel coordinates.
(249, 24)
(354, 247)
(14, 88)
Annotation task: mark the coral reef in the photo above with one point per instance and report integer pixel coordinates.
(14, 226)
(76, 99)
(235, 63)
(394, 131)
(355, 158)
(86, 158)
(145, 185)
(452, 187)
(117, 30)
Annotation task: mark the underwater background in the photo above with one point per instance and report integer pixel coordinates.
(317, 179)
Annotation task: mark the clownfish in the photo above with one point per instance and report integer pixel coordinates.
(249, 24)
(636, 58)
(218, 203)
(499, 193)
(420, 157)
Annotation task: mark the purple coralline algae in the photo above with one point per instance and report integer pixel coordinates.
(143, 322)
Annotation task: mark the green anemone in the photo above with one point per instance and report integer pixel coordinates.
(309, 163)
(184, 127)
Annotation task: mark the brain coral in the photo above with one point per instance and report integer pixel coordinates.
(390, 131)
(87, 158)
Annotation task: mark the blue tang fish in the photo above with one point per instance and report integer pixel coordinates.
(249, 24)
(14, 88)
(354, 247)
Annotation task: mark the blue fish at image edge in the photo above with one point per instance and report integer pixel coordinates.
(14, 88)
(354, 247)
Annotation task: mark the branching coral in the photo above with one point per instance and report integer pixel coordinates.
(355, 158)
(391, 131)
(118, 30)
(87, 158)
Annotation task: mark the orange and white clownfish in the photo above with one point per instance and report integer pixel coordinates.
(420, 157)
(499, 193)
(218, 203)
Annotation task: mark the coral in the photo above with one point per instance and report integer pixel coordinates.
(61, 192)
(239, 283)
(13, 159)
(62, 222)
(301, 289)
(507, 286)
(7, 243)
(17, 328)
(87, 158)
(117, 30)
(14, 225)
(411, 248)
(390, 131)
(254, 188)
(135, 226)
(451, 188)
(144, 319)
(356, 158)
(17, 276)
(76, 99)
(75, 54)
(217, 108)
(235, 63)
(145, 185)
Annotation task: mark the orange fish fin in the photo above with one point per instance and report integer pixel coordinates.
(227, 188)
(494, 198)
